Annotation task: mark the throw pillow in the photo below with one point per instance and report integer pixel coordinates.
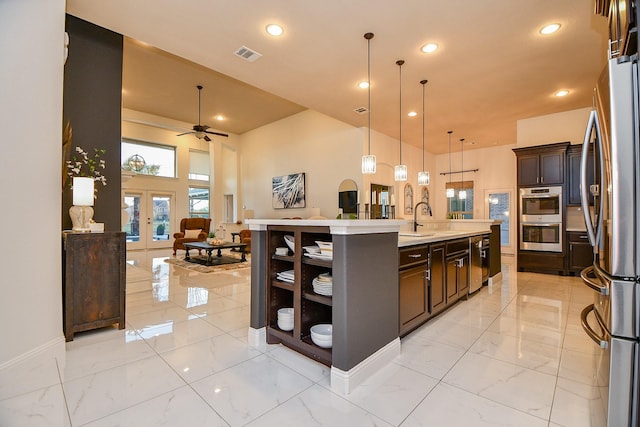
(192, 234)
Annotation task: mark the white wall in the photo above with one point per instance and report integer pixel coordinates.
(31, 78)
(321, 147)
(559, 127)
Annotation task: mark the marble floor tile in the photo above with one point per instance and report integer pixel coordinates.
(526, 331)
(180, 407)
(198, 360)
(511, 385)
(427, 356)
(97, 395)
(576, 404)
(528, 354)
(165, 315)
(229, 320)
(246, 391)
(449, 406)
(450, 333)
(171, 335)
(33, 374)
(311, 369)
(579, 366)
(39, 408)
(392, 393)
(318, 406)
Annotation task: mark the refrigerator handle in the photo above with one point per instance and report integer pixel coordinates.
(601, 341)
(584, 185)
(584, 275)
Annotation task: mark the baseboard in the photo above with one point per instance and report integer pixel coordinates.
(55, 349)
(496, 278)
(344, 381)
(256, 337)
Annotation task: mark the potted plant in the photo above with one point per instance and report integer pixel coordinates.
(211, 237)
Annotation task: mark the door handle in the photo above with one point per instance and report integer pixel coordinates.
(460, 262)
(427, 274)
(600, 340)
(602, 290)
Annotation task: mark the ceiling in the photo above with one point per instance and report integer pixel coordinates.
(492, 67)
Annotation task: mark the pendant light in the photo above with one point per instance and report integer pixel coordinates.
(400, 171)
(369, 160)
(462, 194)
(450, 191)
(423, 176)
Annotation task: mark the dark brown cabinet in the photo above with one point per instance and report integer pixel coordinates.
(541, 165)
(413, 284)
(574, 157)
(93, 284)
(580, 251)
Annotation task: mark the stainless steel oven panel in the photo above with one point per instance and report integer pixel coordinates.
(541, 246)
(541, 195)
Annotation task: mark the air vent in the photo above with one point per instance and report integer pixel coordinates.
(247, 54)
(361, 110)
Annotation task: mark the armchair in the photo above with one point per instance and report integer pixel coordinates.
(187, 233)
(245, 237)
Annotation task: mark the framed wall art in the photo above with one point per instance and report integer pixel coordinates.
(288, 191)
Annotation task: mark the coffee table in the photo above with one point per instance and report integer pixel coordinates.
(218, 259)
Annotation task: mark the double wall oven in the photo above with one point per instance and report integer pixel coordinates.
(541, 219)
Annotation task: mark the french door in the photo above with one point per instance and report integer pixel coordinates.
(148, 219)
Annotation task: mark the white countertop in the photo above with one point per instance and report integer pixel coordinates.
(439, 236)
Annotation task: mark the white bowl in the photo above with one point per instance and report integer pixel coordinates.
(285, 312)
(289, 241)
(285, 326)
(322, 335)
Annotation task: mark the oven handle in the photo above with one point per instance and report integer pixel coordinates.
(602, 290)
(600, 340)
(539, 196)
(542, 224)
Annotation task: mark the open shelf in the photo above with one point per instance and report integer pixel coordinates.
(318, 298)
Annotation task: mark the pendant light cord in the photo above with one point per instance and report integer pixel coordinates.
(369, 36)
(450, 132)
(423, 83)
(462, 159)
(400, 63)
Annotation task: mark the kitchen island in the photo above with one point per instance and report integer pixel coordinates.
(365, 300)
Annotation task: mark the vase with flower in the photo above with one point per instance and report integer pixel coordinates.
(84, 170)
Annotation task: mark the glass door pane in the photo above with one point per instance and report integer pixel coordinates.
(131, 221)
(499, 207)
(160, 233)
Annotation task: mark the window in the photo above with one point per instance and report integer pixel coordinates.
(457, 207)
(199, 165)
(198, 202)
(148, 159)
(499, 205)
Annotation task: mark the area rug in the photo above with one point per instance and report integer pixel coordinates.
(200, 268)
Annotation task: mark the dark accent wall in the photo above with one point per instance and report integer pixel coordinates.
(93, 105)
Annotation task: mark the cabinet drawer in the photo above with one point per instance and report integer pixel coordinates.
(413, 255)
(457, 246)
(577, 236)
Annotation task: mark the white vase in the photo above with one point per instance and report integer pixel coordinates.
(81, 217)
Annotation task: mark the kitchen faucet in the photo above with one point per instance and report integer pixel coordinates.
(415, 214)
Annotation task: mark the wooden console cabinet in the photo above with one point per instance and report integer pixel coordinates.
(93, 281)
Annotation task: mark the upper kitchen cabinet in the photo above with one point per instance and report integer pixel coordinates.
(541, 165)
(574, 156)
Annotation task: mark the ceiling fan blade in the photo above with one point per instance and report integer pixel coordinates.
(217, 133)
(206, 138)
(185, 133)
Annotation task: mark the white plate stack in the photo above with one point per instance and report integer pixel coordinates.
(285, 319)
(323, 284)
(282, 251)
(286, 276)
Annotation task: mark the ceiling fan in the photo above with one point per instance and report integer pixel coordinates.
(200, 131)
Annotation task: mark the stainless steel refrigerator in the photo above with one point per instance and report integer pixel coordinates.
(613, 320)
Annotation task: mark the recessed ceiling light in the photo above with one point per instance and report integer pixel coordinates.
(275, 30)
(219, 117)
(363, 85)
(429, 47)
(412, 114)
(562, 93)
(549, 29)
